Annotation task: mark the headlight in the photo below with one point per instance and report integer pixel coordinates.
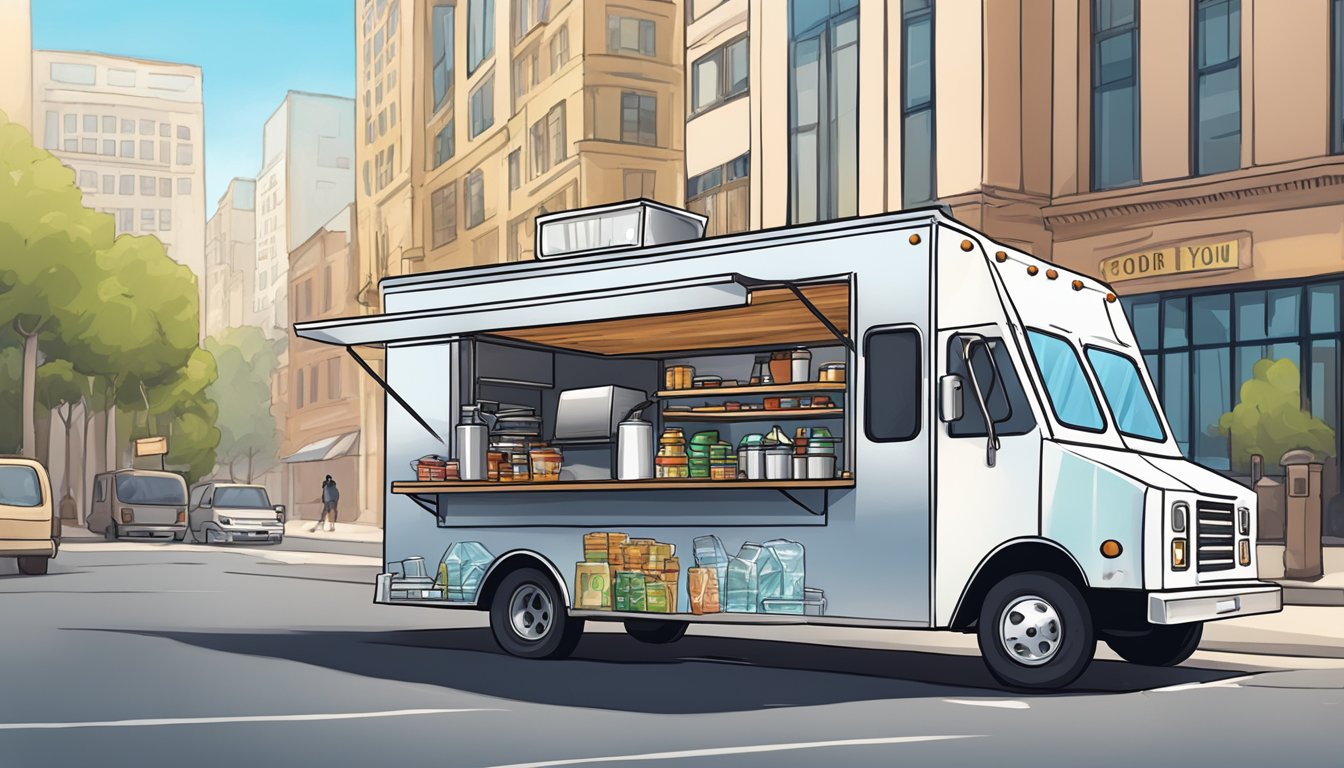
(1244, 521)
(225, 521)
(127, 515)
(1180, 516)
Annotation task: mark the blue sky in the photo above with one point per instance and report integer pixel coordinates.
(250, 51)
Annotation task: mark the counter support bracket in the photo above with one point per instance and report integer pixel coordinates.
(825, 502)
(426, 502)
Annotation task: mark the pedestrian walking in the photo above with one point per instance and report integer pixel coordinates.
(330, 496)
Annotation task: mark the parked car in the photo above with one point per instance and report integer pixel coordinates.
(223, 513)
(140, 504)
(29, 527)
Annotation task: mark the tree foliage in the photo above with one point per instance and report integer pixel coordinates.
(248, 440)
(1269, 419)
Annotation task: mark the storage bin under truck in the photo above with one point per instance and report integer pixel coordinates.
(992, 457)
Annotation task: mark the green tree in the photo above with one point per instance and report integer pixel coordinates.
(246, 360)
(178, 407)
(48, 242)
(1269, 419)
(60, 389)
(11, 376)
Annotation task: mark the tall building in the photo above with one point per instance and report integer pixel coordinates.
(563, 104)
(1190, 153)
(16, 61)
(307, 176)
(134, 133)
(323, 434)
(230, 259)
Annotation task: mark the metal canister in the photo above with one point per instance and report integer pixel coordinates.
(801, 367)
(800, 467)
(778, 462)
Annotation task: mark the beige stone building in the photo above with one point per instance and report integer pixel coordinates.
(16, 61)
(527, 106)
(230, 259)
(1187, 151)
(322, 432)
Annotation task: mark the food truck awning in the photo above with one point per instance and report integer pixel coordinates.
(581, 307)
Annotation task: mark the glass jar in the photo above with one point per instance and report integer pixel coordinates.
(831, 372)
(546, 463)
(800, 364)
(520, 468)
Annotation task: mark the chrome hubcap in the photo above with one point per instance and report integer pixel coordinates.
(1030, 630)
(530, 612)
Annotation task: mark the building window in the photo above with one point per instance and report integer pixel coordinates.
(1115, 93)
(127, 126)
(165, 220)
(90, 123)
(1217, 118)
(109, 124)
(327, 288)
(71, 123)
(444, 147)
(147, 219)
(146, 127)
(559, 48)
(165, 187)
(88, 180)
(109, 147)
(719, 75)
(482, 106)
(443, 215)
(639, 118)
(109, 184)
(918, 166)
(480, 33)
(549, 147)
(184, 154)
(1337, 81)
(184, 186)
(88, 146)
(52, 131)
(527, 14)
(312, 384)
(474, 190)
(823, 109)
(639, 184)
(442, 30)
(127, 184)
(515, 172)
(148, 186)
(626, 34)
(147, 150)
(520, 79)
(723, 195)
(298, 388)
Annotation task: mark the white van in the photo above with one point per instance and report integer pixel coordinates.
(1000, 464)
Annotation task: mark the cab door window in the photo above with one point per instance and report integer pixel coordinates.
(892, 395)
(196, 496)
(100, 490)
(1005, 399)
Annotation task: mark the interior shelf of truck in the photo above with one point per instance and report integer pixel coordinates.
(805, 387)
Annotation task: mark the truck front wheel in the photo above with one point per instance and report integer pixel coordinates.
(656, 632)
(529, 619)
(1035, 631)
(1157, 646)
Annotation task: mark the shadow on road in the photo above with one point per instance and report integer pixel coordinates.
(694, 676)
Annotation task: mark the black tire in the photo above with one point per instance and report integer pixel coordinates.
(549, 631)
(110, 532)
(180, 536)
(1157, 646)
(1058, 610)
(656, 632)
(34, 565)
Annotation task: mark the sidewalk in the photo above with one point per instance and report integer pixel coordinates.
(367, 534)
(1325, 591)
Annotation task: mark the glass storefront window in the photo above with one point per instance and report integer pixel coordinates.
(1143, 316)
(1212, 393)
(1173, 322)
(1324, 308)
(1175, 388)
(1211, 318)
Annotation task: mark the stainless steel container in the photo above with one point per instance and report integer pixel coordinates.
(778, 462)
(753, 461)
(820, 467)
(634, 447)
(800, 468)
(473, 443)
(801, 365)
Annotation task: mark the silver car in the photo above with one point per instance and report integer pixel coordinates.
(224, 513)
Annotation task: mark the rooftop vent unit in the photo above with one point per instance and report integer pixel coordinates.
(620, 227)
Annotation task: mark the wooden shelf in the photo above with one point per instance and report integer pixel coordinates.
(773, 389)
(466, 486)
(791, 413)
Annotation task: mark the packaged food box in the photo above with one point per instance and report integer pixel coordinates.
(657, 597)
(703, 586)
(592, 586)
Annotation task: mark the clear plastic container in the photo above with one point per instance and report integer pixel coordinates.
(755, 574)
(791, 559)
(462, 567)
(709, 553)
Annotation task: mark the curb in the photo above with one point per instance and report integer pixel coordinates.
(1317, 596)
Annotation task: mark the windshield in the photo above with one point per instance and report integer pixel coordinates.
(1071, 397)
(136, 489)
(1123, 389)
(242, 498)
(19, 487)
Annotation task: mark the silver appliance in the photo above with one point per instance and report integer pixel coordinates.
(473, 441)
(592, 415)
(634, 446)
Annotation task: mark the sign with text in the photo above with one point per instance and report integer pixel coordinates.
(1172, 260)
(151, 446)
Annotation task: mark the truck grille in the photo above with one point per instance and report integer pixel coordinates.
(1216, 531)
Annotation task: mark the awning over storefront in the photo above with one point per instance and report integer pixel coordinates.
(326, 449)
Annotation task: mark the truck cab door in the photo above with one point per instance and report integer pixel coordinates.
(987, 479)
(195, 514)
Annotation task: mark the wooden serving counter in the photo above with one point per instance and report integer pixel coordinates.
(416, 487)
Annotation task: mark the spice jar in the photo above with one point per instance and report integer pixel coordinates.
(831, 372)
(678, 376)
(671, 463)
(800, 367)
(546, 463)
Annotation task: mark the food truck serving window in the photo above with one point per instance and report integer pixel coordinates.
(891, 389)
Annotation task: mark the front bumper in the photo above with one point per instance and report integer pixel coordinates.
(1185, 606)
(238, 532)
(28, 547)
(150, 530)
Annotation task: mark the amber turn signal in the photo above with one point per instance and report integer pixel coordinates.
(1178, 561)
(1111, 548)
(1032, 270)
(1000, 257)
(967, 245)
(1110, 297)
(1244, 552)
(1051, 274)
(914, 239)
(1077, 285)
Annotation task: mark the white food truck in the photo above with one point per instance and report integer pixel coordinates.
(884, 421)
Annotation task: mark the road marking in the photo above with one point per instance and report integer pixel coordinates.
(243, 719)
(754, 749)
(989, 703)
(1231, 682)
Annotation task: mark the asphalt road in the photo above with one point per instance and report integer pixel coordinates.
(149, 655)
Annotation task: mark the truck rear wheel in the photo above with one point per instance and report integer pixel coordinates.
(529, 619)
(33, 565)
(1157, 646)
(1035, 631)
(655, 632)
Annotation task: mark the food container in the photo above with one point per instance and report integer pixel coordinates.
(722, 464)
(820, 442)
(520, 470)
(772, 403)
(819, 467)
(731, 406)
(831, 372)
(821, 401)
(450, 470)
(546, 463)
(788, 403)
(781, 367)
(430, 469)
(678, 376)
(671, 467)
(778, 462)
(760, 372)
(493, 461)
(752, 460)
(705, 382)
(800, 367)
(799, 466)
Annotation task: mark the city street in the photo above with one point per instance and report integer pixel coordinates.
(160, 654)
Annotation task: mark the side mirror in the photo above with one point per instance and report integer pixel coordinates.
(206, 503)
(280, 508)
(950, 400)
